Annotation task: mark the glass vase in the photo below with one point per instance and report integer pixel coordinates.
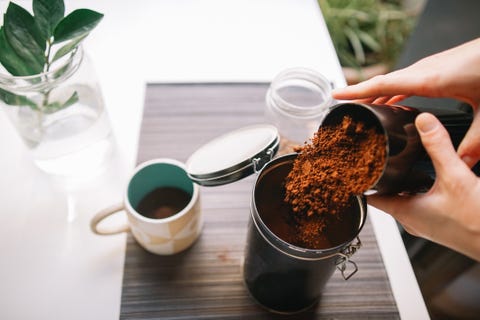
(60, 115)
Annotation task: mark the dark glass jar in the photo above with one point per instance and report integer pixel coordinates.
(279, 275)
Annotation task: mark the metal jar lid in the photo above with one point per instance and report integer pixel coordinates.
(234, 155)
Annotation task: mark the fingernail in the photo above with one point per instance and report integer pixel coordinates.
(337, 91)
(468, 160)
(426, 123)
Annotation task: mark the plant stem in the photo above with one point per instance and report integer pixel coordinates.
(47, 57)
(46, 95)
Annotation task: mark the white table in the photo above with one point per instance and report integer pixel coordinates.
(52, 266)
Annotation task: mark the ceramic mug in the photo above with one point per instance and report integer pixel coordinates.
(164, 236)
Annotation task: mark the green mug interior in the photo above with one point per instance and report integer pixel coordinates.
(154, 176)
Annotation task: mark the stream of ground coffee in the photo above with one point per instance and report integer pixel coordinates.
(341, 161)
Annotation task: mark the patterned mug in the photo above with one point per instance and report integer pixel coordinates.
(166, 235)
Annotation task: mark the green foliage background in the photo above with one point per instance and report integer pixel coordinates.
(365, 32)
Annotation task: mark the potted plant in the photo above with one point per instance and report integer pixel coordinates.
(48, 88)
(368, 35)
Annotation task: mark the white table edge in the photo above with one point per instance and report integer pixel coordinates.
(403, 282)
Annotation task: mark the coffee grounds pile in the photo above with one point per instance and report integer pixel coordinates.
(341, 161)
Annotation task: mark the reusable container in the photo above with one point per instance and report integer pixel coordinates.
(295, 103)
(279, 275)
(408, 167)
(282, 276)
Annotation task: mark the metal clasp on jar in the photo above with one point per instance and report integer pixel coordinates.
(262, 160)
(344, 258)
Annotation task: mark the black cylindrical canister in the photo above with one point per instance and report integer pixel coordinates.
(408, 167)
(282, 276)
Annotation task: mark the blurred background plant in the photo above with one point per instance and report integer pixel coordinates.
(368, 32)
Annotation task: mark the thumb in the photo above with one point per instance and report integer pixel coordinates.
(469, 149)
(437, 143)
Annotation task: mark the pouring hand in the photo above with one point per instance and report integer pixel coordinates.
(454, 73)
(449, 213)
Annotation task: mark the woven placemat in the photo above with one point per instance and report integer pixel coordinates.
(205, 282)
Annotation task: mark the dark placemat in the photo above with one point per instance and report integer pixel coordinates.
(206, 280)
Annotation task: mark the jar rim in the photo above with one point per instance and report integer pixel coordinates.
(291, 249)
(302, 74)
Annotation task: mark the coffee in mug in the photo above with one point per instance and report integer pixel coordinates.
(162, 206)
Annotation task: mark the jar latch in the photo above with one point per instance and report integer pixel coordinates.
(344, 258)
(260, 162)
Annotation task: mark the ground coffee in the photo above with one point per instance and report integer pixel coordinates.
(341, 161)
(284, 223)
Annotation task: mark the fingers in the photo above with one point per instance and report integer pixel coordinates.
(389, 100)
(366, 100)
(381, 100)
(469, 149)
(438, 145)
(397, 99)
(404, 209)
(426, 214)
(448, 166)
(389, 85)
(362, 90)
(391, 204)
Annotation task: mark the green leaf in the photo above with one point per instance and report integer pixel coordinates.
(55, 106)
(72, 100)
(16, 100)
(22, 34)
(48, 14)
(347, 59)
(78, 23)
(356, 45)
(10, 60)
(68, 47)
(369, 41)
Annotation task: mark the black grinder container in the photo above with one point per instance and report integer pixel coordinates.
(408, 167)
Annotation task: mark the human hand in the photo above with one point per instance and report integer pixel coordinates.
(449, 213)
(454, 73)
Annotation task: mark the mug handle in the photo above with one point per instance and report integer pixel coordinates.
(104, 214)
